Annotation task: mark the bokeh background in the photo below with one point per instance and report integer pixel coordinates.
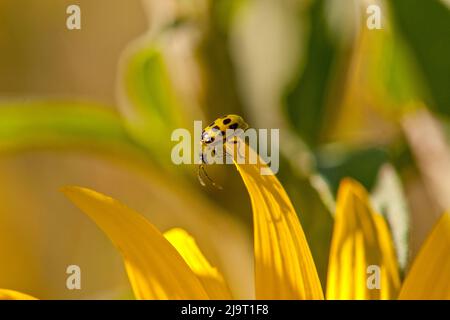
(95, 107)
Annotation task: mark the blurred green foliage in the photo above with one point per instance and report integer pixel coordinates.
(425, 26)
(220, 83)
(336, 163)
(149, 105)
(51, 124)
(306, 101)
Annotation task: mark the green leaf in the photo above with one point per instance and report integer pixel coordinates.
(337, 162)
(389, 199)
(386, 71)
(306, 101)
(221, 93)
(425, 26)
(393, 72)
(62, 125)
(148, 101)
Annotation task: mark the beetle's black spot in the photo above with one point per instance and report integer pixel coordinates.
(233, 126)
(223, 133)
(226, 121)
(216, 128)
(235, 141)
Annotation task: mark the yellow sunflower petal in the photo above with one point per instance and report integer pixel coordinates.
(361, 250)
(155, 269)
(390, 276)
(210, 277)
(284, 267)
(429, 276)
(14, 295)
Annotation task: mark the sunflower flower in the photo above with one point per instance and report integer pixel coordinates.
(172, 266)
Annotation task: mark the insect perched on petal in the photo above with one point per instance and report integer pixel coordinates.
(218, 133)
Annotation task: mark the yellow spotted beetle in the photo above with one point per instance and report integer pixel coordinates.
(216, 133)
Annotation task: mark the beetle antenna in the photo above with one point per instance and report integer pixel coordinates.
(211, 181)
(199, 176)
